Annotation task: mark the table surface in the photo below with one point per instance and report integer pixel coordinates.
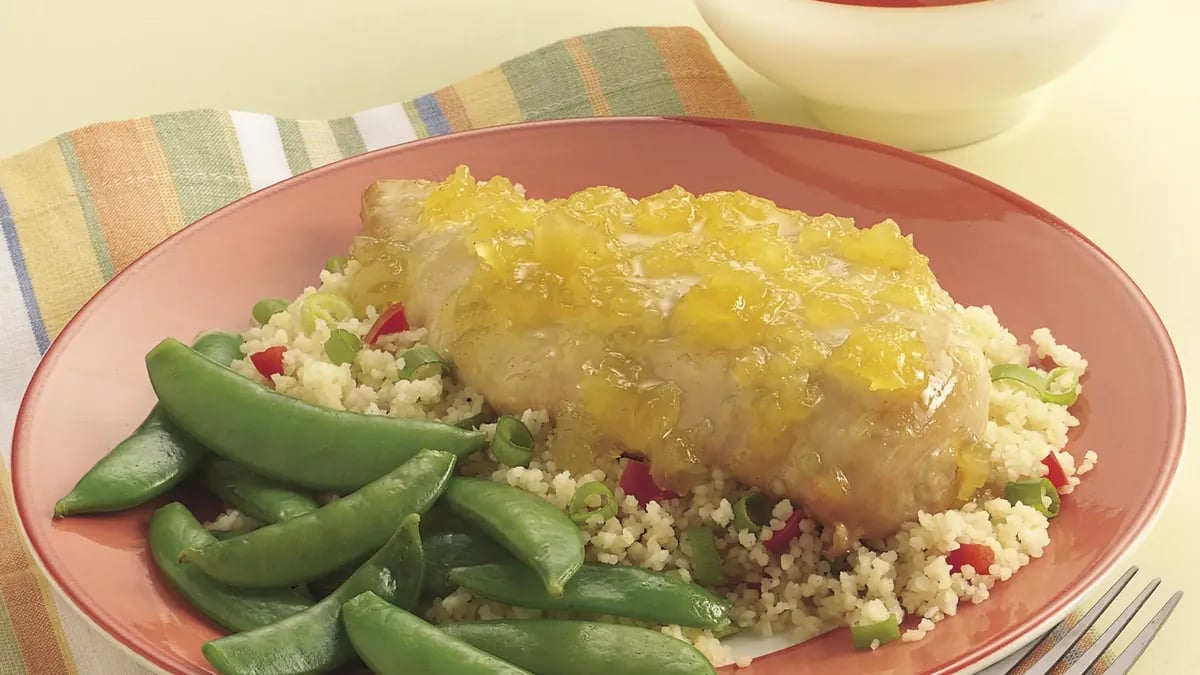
(1113, 151)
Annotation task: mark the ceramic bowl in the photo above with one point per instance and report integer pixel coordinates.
(920, 74)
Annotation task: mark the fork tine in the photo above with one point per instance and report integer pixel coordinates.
(1093, 653)
(1130, 654)
(1052, 657)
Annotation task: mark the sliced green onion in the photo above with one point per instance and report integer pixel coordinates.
(324, 306)
(1068, 394)
(336, 264)
(885, 631)
(1031, 492)
(706, 561)
(342, 346)
(1023, 374)
(752, 512)
(265, 309)
(422, 362)
(582, 512)
(512, 444)
(1039, 383)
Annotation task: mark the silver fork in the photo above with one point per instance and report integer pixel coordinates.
(1084, 661)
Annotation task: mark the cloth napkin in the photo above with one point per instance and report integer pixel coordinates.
(77, 209)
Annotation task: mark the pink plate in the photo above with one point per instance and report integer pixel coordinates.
(987, 245)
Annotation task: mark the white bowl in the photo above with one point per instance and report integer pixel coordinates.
(924, 78)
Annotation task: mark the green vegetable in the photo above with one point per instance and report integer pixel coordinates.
(582, 511)
(512, 443)
(342, 346)
(265, 309)
(1067, 395)
(751, 513)
(1031, 492)
(1040, 384)
(324, 306)
(582, 647)
(422, 362)
(473, 421)
(284, 438)
(317, 543)
(528, 526)
(336, 264)
(253, 495)
(885, 631)
(656, 597)
(393, 642)
(706, 561)
(315, 641)
(446, 551)
(155, 458)
(173, 529)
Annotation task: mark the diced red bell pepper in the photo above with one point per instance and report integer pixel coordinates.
(391, 321)
(1055, 472)
(637, 481)
(269, 361)
(781, 539)
(979, 556)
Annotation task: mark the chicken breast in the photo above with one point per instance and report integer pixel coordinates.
(802, 356)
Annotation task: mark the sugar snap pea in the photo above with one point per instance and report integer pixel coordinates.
(284, 438)
(656, 597)
(531, 528)
(444, 551)
(314, 641)
(154, 459)
(317, 543)
(582, 647)
(173, 529)
(393, 642)
(257, 497)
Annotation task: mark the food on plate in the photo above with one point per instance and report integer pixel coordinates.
(392, 641)
(706, 419)
(581, 647)
(154, 459)
(535, 532)
(308, 546)
(254, 496)
(805, 357)
(656, 597)
(173, 529)
(313, 640)
(284, 438)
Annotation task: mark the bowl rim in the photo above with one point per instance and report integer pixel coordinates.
(1049, 614)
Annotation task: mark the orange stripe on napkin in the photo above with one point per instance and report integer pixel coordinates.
(453, 109)
(700, 81)
(131, 186)
(590, 76)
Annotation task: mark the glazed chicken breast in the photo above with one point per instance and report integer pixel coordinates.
(802, 356)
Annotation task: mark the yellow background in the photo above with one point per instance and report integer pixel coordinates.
(1115, 151)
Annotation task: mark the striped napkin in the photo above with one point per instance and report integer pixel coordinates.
(77, 209)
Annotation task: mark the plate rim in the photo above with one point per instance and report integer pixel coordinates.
(1050, 612)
